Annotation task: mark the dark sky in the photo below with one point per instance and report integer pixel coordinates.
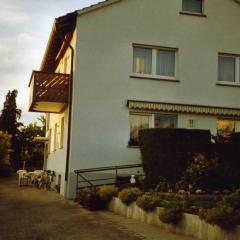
(25, 26)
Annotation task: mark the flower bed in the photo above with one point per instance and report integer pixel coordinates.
(190, 225)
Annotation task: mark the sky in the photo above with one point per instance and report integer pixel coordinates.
(25, 27)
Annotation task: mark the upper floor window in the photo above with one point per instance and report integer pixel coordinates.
(142, 60)
(228, 68)
(193, 6)
(154, 62)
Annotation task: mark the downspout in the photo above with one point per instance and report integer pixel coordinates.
(69, 102)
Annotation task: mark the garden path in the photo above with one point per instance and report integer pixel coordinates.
(29, 213)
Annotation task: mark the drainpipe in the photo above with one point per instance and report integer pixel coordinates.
(69, 103)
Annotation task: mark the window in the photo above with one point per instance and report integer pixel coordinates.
(228, 68)
(49, 140)
(137, 123)
(154, 62)
(140, 121)
(165, 121)
(62, 133)
(226, 127)
(142, 60)
(165, 63)
(55, 137)
(193, 6)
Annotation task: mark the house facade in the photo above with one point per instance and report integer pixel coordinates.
(119, 66)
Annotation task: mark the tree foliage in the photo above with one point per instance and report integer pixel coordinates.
(10, 114)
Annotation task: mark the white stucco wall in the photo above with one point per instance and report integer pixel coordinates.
(56, 159)
(102, 83)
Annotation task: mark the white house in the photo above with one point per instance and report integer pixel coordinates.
(121, 65)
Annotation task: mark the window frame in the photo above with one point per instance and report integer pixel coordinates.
(237, 69)
(192, 12)
(234, 120)
(151, 116)
(154, 74)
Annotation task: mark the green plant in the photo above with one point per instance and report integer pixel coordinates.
(106, 193)
(92, 201)
(233, 200)
(129, 195)
(166, 152)
(148, 201)
(5, 166)
(171, 215)
(223, 216)
(162, 186)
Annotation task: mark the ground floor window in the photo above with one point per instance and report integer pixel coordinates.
(226, 127)
(139, 121)
(165, 121)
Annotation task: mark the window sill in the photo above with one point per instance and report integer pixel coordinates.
(227, 84)
(193, 14)
(133, 146)
(154, 78)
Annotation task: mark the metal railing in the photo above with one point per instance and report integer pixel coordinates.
(84, 182)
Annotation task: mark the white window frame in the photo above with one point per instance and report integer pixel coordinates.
(237, 69)
(192, 12)
(154, 63)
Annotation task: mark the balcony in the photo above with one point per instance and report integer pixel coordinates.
(48, 92)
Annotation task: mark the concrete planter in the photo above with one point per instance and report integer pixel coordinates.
(191, 225)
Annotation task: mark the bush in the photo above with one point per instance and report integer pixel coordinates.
(233, 200)
(148, 201)
(5, 166)
(106, 193)
(166, 152)
(171, 215)
(223, 216)
(129, 195)
(92, 201)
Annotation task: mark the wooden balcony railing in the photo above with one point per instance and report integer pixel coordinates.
(48, 92)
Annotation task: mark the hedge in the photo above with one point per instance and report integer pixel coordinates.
(166, 152)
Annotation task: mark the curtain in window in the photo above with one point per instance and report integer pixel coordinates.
(237, 126)
(142, 60)
(165, 63)
(192, 6)
(226, 68)
(137, 123)
(165, 121)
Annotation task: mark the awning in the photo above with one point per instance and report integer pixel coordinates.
(183, 108)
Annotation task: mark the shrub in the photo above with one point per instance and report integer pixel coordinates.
(222, 216)
(171, 215)
(148, 201)
(162, 186)
(129, 195)
(92, 201)
(233, 200)
(166, 152)
(4, 156)
(106, 193)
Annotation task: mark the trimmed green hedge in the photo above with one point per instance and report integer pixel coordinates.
(166, 152)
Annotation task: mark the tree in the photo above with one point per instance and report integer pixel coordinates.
(9, 122)
(10, 114)
(4, 156)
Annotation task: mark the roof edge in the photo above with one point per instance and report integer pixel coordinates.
(97, 6)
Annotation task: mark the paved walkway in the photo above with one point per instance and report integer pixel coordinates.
(29, 213)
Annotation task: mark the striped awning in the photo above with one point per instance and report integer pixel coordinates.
(183, 108)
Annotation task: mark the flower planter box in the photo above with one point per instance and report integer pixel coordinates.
(191, 225)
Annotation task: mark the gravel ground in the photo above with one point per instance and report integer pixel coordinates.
(29, 213)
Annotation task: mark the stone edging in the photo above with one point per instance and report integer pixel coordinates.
(191, 225)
